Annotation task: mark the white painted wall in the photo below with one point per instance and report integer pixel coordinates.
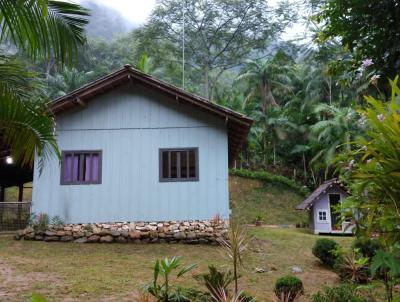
(129, 125)
(323, 204)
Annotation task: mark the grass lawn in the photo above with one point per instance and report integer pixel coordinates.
(117, 272)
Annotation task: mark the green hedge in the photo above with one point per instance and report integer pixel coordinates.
(271, 178)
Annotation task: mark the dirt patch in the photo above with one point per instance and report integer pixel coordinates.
(15, 285)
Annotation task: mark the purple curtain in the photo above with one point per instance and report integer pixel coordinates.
(91, 167)
(88, 165)
(67, 168)
(75, 168)
(95, 167)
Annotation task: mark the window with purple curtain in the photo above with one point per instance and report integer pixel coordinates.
(80, 167)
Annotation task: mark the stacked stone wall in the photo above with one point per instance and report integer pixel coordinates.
(131, 232)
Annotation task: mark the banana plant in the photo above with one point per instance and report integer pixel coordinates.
(163, 291)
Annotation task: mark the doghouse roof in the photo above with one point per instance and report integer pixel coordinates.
(314, 196)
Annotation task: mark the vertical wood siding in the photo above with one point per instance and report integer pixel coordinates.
(130, 125)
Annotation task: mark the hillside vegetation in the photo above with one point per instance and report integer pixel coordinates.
(275, 203)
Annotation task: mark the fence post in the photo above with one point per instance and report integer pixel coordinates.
(2, 189)
(20, 197)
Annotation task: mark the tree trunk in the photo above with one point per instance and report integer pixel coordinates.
(271, 98)
(235, 276)
(264, 101)
(347, 138)
(49, 66)
(274, 148)
(304, 165)
(265, 151)
(206, 82)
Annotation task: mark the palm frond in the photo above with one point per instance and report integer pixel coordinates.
(26, 125)
(54, 29)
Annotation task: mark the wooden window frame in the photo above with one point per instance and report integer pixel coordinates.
(64, 153)
(178, 168)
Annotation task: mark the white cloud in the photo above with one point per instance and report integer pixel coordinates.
(136, 11)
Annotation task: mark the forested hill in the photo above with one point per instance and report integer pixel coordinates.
(105, 22)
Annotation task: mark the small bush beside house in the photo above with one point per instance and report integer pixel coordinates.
(324, 249)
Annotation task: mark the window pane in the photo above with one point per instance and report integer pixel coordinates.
(174, 164)
(184, 164)
(192, 163)
(165, 164)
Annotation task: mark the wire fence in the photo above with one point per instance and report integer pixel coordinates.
(14, 215)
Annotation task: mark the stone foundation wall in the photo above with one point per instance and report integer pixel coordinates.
(135, 232)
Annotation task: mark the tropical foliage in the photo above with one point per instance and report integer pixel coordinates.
(163, 290)
(50, 30)
(373, 168)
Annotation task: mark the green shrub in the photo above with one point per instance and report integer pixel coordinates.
(288, 288)
(216, 281)
(57, 221)
(353, 267)
(162, 289)
(367, 247)
(325, 249)
(37, 298)
(341, 293)
(246, 297)
(40, 222)
(271, 178)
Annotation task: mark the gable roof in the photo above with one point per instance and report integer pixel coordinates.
(238, 125)
(310, 200)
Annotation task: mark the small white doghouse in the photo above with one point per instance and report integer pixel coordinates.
(321, 205)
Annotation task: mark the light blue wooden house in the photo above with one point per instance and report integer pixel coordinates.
(322, 204)
(135, 148)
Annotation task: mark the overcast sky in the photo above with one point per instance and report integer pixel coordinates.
(137, 12)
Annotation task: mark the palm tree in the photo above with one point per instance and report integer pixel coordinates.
(66, 81)
(333, 131)
(264, 77)
(145, 64)
(42, 29)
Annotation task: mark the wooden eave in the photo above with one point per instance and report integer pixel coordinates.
(238, 125)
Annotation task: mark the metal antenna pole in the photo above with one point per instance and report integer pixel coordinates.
(183, 44)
